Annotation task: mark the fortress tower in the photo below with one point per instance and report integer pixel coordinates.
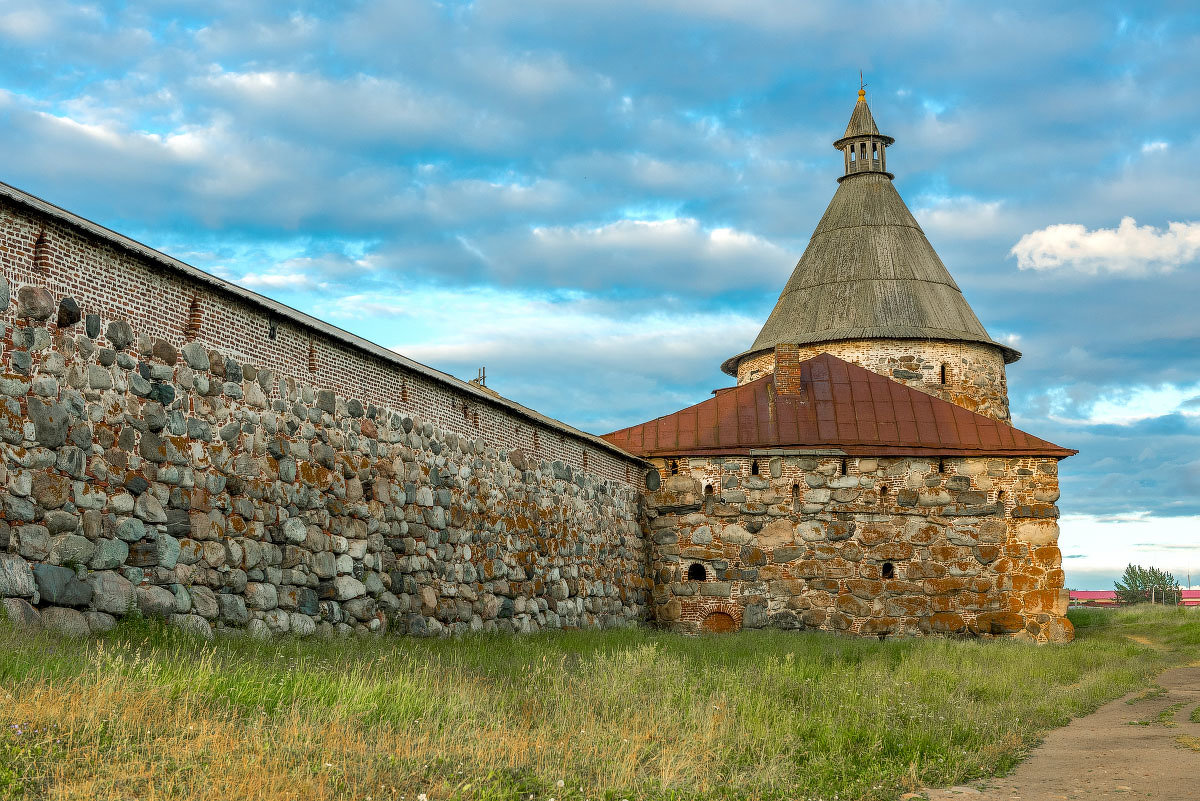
(871, 290)
(862, 476)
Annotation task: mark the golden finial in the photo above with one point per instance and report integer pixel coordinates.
(862, 88)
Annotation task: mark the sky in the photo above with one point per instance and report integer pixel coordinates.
(600, 200)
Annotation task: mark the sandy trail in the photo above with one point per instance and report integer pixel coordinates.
(1147, 749)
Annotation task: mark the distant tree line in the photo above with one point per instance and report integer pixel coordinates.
(1147, 585)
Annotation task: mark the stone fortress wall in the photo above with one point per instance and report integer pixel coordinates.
(871, 546)
(974, 372)
(173, 444)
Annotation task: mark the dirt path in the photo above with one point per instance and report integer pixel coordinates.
(1142, 746)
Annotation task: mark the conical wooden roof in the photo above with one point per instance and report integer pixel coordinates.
(869, 273)
(862, 122)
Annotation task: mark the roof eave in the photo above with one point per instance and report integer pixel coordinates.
(887, 140)
(861, 450)
(730, 365)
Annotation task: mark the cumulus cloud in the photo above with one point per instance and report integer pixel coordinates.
(955, 216)
(1127, 404)
(1128, 248)
(583, 346)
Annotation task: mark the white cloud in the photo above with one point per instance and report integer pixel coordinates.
(1154, 147)
(954, 215)
(600, 364)
(1125, 405)
(671, 252)
(1128, 248)
(288, 282)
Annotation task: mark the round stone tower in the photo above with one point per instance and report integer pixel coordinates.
(870, 289)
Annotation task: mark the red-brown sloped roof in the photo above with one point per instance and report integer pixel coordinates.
(839, 406)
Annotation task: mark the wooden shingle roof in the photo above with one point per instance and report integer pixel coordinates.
(869, 272)
(840, 407)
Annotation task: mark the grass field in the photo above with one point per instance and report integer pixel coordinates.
(148, 713)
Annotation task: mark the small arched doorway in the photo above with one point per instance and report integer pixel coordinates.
(718, 623)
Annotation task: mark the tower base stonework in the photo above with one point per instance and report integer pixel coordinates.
(890, 547)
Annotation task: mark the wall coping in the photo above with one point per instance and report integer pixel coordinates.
(298, 317)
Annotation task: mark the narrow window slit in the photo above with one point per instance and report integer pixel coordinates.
(795, 497)
(754, 467)
(194, 319)
(41, 253)
(888, 571)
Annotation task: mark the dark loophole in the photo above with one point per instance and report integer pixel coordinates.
(889, 570)
(754, 467)
(696, 572)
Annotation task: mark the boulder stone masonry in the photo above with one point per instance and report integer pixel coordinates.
(200, 484)
(892, 547)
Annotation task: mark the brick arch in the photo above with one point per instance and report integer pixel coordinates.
(732, 611)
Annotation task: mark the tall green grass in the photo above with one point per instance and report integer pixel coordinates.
(149, 712)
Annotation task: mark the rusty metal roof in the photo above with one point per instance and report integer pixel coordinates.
(840, 406)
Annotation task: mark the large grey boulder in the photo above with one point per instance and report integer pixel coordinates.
(295, 530)
(70, 622)
(204, 602)
(60, 586)
(154, 601)
(34, 303)
(261, 596)
(196, 356)
(49, 422)
(16, 577)
(192, 624)
(233, 609)
(111, 592)
(20, 614)
(100, 622)
(109, 554)
(71, 549)
(119, 334)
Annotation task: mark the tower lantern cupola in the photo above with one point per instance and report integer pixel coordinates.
(864, 148)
